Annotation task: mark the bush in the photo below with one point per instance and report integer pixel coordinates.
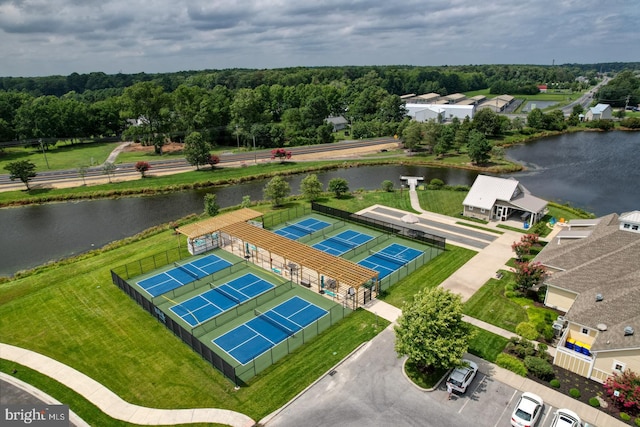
(511, 363)
(435, 184)
(527, 330)
(540, 368)
(594, 402)
(554, 383)
(624, 416)
(387, 186)
(520, 348)
(637, 421)
(575, 393)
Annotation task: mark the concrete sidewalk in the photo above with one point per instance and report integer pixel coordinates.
(110, 403)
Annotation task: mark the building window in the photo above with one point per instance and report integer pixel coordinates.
(470, 208)
(634, 228)
(585, 331)
(627, 226)
(481, 210)
(618, 366)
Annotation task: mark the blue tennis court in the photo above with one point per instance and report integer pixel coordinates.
(266, 330)
(294, 231)
(183, 274)
(343, 242)
(390, 259)
(209, 304)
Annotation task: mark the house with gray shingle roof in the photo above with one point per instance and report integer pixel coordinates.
(498, 199)
(595, 279)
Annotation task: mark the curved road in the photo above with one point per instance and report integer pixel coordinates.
(181, 164)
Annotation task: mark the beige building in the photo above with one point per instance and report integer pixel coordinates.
(595, 279)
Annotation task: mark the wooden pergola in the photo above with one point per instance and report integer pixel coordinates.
(347, 274)
(213, 224)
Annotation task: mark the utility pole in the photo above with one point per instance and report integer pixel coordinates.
(237, 137)
(44, 153)
(626, 104)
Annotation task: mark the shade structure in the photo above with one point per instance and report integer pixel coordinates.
(410, 218)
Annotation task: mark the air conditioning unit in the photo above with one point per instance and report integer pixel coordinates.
(558, 328)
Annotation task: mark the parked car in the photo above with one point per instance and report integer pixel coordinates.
(527, 411)
(460, 378)
(566, 418)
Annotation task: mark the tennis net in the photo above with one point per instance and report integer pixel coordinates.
(186, 270)
(227, 294)
(269, 318)
(340, 240)
(398, 261)
(300, 227)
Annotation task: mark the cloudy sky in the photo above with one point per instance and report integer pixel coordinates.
(45, 37)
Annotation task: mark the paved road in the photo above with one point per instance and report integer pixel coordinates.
(369, 388)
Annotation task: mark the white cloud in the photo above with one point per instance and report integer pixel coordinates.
(41, 37)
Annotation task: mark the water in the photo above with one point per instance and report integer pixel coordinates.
(594, 171)
(34, 235)
(590, 170)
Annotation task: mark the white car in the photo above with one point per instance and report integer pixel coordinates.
(566, 418)
(528, 410)
(461, 377)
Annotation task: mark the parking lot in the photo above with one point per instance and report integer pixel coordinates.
(369, 388)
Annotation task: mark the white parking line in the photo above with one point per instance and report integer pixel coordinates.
(505, 408)
(474, 390)
(544, 421)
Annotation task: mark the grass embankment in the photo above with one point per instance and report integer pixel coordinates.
(60, 156)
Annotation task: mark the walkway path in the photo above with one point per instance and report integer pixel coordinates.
(110, 403)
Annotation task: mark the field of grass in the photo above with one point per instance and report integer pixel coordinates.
(63, 156)
(429, 275)
(445, 202)
(486, 345)
(490, 304)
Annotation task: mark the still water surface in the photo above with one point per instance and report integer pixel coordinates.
(594, 171)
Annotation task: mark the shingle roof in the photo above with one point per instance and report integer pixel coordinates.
(486, 190)
(606, 263)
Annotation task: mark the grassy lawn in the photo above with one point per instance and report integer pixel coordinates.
(64, 156)
(361, 200)
(486, 345)
(445, 202)
(429, 275)
(491, 305)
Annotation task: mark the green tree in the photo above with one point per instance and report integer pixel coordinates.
(147, 102)
(478, 147)
(431, 332)
(387, 186)
(529, 274)
(311, 187)
(487, 121)
(196, 149)
(109, 169)
(211, 206)
(412, 135)
(24, 170)
(246, 201)
(338, 186)
(535, 119)
(82, 173)
(277, 190)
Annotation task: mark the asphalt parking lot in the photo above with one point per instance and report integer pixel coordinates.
(369, 388)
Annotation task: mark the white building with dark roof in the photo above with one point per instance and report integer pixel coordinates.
(498, 199)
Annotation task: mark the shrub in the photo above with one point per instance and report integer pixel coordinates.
(637, 421)
(387, 186)
(624, 416)
(520, 348)
(575, 393)
(538, 367)
(625, 384)
(594, 402)
(527, 330)
(542, 349)
(554, 383)
(511, 363)
(435, 184)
